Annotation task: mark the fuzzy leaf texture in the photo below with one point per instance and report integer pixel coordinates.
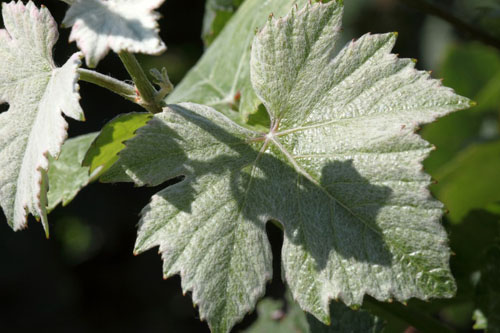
(340, 169)
(119, 25)
(38, 93)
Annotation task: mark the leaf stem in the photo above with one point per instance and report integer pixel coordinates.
(121, 88)
(436, 10)
(145, 88)
(421, 321)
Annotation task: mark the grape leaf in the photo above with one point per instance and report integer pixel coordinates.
(217, 14)
(119, 25)
(103, 152)
(340, 168)
(221, 78)
(37, 92)
(66, 174)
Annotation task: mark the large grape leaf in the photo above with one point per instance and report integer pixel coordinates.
(340, 169)
(37, 92)
(119, 25)
(221, 78)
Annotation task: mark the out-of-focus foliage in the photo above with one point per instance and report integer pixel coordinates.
(283, 317)
(481, 14)
(488, 292)
(467, 158)
(217, 13)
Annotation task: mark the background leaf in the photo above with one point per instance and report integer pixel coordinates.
(217, 14)
(66, 174)
(221, 78)
(488, 290)
(459, 186)
(274, 316)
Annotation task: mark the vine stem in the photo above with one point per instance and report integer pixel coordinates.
(123, 89)
(435, 10)
(147, 93)
(421, 321)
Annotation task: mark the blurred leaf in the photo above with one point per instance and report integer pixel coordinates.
(217, 14)
(480, 320)
(467, 68)
(104, 150)
(274, 317)
(488, 98)
(473, 70)
(469, 241)
(345, 319)
(66, 174)
(221, 79)
(470, 180)
(488, 292)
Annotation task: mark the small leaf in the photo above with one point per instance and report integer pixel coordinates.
(119, 25)
(37, 92)
(339, 168)
(273, 318)
(66, 174)
(103, 152)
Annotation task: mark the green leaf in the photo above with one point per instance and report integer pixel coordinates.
(37, 92)
(119, 25)
(488, 291)
(103, 152)
(66, 174)
(339, 168)
(273, 318)
(346, 320)
(217, 14)
(470, 180)
(221, 78)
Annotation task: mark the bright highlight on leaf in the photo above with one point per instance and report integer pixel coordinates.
(340, 169)
(119, 25)
(37, 92)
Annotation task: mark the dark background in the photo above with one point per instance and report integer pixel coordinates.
(85, 278)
